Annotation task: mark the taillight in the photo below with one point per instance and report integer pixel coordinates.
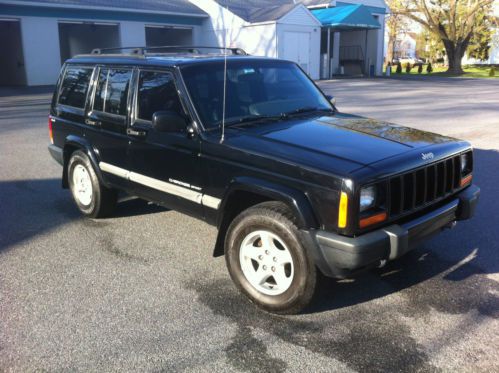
(51, 135)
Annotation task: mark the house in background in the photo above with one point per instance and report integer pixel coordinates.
(405, 46)
(38, 36)
(324, 37)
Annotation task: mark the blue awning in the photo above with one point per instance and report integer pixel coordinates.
(347, 17)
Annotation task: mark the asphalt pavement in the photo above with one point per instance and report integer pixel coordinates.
(141, 292)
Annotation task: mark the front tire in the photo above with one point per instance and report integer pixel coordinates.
(267, 260)
(91, 197)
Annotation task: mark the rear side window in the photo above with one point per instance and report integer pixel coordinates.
(157, 92)
(75, 86)
(111, 94)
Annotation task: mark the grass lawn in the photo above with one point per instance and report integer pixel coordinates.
(470, 71)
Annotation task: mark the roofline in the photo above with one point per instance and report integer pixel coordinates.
(318, 23)
(93, 7)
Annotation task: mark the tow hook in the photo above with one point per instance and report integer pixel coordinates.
(450, 225)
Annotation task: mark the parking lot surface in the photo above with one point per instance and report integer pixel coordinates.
(141, 291)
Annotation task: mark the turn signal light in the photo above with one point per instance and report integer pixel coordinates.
(51, 135)
(466, 180)
(374, 219)
(343, 210)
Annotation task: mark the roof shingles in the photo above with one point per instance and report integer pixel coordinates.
(170, 6)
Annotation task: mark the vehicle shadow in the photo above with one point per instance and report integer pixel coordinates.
(450, 260)
(133, 206)
(30, 208)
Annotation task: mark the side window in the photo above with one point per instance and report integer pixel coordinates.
(74, 86)
(157, 92)
(112, 91)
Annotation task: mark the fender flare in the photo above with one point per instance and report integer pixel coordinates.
(80, 143)
(296, 200)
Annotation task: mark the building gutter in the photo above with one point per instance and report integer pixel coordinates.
(124, 10)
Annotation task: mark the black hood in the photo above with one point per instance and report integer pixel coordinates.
(351, 142)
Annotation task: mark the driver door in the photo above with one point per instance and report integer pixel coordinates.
(164, 165)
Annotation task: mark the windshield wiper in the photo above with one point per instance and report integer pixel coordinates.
(307, 109)
(252, 118)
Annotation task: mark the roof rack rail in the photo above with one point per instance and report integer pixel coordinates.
(168, 48)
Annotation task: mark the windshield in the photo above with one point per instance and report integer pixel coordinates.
(255, 89)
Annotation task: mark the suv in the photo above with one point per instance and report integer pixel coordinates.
(252, 146)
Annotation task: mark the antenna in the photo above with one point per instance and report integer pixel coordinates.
(222, 138)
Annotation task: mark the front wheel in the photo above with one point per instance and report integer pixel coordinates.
(92, 198)
(267, 260)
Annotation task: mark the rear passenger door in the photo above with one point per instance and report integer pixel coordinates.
(107, 120)
(165, 166)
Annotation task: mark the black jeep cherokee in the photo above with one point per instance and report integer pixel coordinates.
(294, 186)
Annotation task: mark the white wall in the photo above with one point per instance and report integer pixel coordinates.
(258, 40)
(221, 24)
(314, 47)
(380, 45)
(41, 46)
(40, 38)
(132, 34)
(335, 52)
(301, 20)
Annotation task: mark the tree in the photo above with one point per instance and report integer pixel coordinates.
(480, 45)
(454, 22)
(396, 24)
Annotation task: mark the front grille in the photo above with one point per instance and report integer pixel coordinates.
(423, 186)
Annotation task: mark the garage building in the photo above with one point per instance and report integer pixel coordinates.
(38, 36)
(325, 37)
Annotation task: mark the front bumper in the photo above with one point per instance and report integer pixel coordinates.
(342, 255)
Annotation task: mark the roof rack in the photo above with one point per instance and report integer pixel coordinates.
(170, 49)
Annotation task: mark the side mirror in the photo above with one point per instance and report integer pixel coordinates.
(168, 121)
(331, 99)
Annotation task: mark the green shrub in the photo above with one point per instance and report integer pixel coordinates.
(429, 69)
(408, 67)
(492, 71)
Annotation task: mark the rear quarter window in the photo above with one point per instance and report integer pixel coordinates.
(74, 86)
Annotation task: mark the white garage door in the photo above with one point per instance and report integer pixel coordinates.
(297, 48)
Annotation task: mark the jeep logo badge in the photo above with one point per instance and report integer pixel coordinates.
(427, 156)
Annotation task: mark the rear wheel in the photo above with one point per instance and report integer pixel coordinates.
(91, 197)
(267, 260)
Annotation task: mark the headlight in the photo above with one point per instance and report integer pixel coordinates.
(367, 198)
(464, 163)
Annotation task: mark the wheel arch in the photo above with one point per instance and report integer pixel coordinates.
(72, 144)
(245, 192)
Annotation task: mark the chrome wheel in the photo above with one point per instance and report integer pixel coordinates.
(266, 262)
(82, 185)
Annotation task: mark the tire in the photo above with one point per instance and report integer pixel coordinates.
(257, 245)
(91, 197)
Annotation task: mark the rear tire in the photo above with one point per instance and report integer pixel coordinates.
(267, 260)
(91, 197)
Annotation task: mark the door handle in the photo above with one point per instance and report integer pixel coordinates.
(92, 122)
(132, 132)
